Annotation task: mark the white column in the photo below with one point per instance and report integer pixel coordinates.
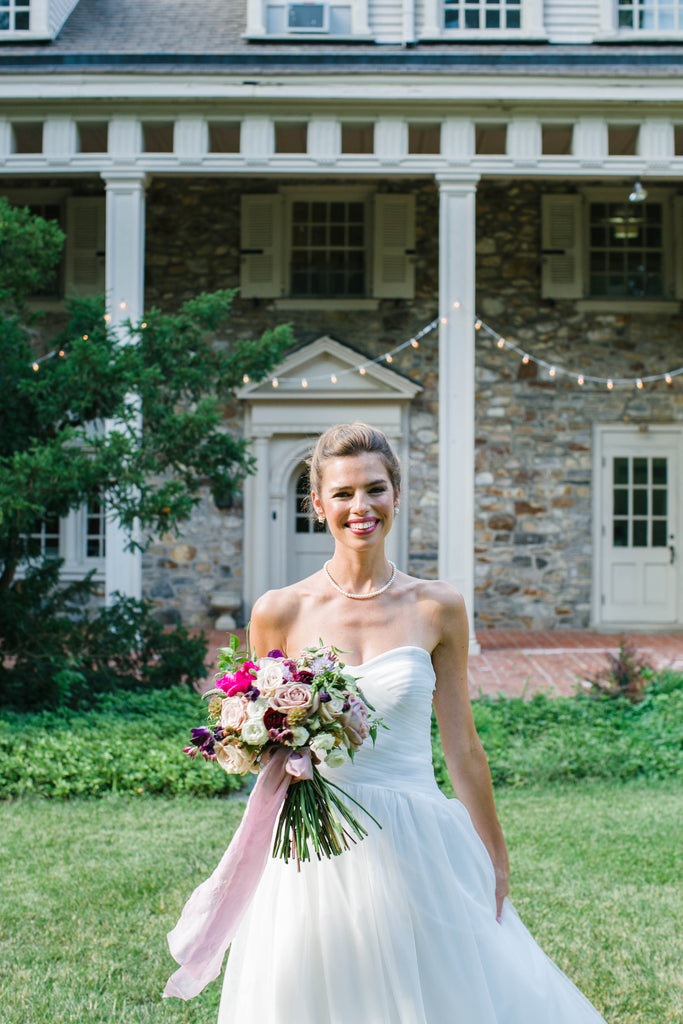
(5, 140)
(656, 140)
(260, 512)
(257, 139)
(590, 140)
(524, 140)
(191, 139)
(124, 283)
(456, 385)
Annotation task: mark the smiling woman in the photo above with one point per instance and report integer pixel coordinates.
(417, 914)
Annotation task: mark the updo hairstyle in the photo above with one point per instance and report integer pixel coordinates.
(352, 439)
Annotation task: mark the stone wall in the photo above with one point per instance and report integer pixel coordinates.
(192, 245)
(534, 559)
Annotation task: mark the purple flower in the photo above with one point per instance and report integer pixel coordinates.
(275, 654)
(324, 697)
(204, 739)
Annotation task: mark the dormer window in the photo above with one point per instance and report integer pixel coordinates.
(651, 15)
(307, 19)
(15, 15)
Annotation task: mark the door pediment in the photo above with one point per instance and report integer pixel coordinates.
(331, 371)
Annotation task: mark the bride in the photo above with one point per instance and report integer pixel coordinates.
(411, 926)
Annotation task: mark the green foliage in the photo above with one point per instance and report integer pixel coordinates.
(61, 657)
(30, 248)
(563, 739)
(127, 743)
(163, 397)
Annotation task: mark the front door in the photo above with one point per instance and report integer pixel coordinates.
(640, 575)
(309, 542)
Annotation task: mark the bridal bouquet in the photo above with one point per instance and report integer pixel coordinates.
(303, 713)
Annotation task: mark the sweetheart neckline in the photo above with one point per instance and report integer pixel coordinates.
(391, 650)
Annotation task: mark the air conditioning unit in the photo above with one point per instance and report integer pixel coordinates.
(308, 17)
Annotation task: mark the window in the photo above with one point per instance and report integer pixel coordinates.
(27, 136)
(78, 538)
(482, 14)
(599, 246)
(652, 15)
(304, 522)
(331, 244)
(307, 18)
(640, 499)
(15, 15)
(328, 250)
(626, 250)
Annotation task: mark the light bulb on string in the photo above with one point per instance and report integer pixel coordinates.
(444, 320)
(456, 304)
(525, 359)
(389, 358)
(501, 343)
(610, 385)
(580, 380)
(106, 318)
(552, 371)
(275, 382)
(304, 383)
(123, 304)
(477, 325)
(143, 324)
(245, 378)
(85, 337)
(415, 343)
(333, 379)
(35, 367)
(639, 384)
(668, 378)
(62, 353)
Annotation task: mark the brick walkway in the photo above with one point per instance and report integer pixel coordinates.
(524, 661)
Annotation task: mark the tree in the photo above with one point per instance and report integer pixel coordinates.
(161, 388)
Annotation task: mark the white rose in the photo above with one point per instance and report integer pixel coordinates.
(322, 742)
(257, 708)
(254, 732)
(234, 760)
(330, 709)
(299, 736)
(337, 757)
(233, 712)
(269, 677)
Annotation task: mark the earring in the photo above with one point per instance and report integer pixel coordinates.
(396, 510)
(321, 519)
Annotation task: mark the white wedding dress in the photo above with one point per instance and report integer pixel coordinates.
(401, 929)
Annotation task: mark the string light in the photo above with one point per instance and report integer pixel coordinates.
(245, 378)
(85, 337)
(389, 358)
(304, 382)
(275, 382)
(106, 318)
(444, 320)
(456, 304)
(362, 371)
(580, 378)
(123, 305)
(143, 324)
(415, 343)
(333, 378)
(36, 367)
(61, 353)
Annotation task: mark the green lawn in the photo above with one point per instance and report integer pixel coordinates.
(91, 887)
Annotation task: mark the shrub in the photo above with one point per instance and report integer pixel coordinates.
(57, 656)
(626, 675)
(127, 743)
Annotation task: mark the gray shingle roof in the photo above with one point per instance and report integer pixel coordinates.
(182, 35)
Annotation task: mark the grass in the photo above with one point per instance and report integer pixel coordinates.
(90, 888)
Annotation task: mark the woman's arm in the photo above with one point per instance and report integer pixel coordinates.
(465, 757)
(270, 620)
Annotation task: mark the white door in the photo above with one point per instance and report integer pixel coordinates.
(309, 543)
(640, 572)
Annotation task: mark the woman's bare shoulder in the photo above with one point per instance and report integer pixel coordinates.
(444, 606)
(276, 611)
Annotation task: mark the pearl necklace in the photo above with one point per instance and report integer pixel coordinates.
(361, 597)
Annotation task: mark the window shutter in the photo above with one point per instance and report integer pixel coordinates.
(394, 248)
(261, 247)
(562, 245)
(678, 250)
(85, 245)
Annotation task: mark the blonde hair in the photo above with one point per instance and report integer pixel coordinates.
(352, 439)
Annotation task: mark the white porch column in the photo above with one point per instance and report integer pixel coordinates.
(260, 531)
(124, 283)
(456, 385)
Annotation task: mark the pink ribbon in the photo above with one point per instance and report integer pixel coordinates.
(212, 915)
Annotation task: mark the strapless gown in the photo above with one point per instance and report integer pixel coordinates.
(401, 929)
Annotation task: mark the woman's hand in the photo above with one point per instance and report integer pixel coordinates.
(502, 889)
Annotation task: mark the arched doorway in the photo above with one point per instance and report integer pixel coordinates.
(309, 543)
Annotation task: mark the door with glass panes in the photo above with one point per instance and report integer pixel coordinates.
(310, 542)
(639, 567)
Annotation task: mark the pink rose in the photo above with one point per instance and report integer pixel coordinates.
(355, 722)
(293, 695)
(234, 712)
